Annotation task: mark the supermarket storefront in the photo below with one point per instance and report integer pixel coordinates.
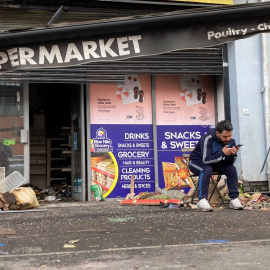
(139, 110)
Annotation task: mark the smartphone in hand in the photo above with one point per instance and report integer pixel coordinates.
(238, 145)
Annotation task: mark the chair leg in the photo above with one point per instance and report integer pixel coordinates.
(196, 187)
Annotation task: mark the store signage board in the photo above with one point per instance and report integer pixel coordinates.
(122, 136)
(185, 112)
(132, 155)
(64, 53)
(122, 130)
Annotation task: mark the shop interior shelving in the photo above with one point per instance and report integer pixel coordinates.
(59, 158)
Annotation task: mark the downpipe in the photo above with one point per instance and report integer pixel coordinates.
(266, 100)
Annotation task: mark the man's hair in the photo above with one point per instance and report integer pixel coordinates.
(224, 125)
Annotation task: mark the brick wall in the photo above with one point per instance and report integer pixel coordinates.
(261, 186)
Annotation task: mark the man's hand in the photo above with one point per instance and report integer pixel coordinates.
(234, 150)
(227, 151)
(230, 151)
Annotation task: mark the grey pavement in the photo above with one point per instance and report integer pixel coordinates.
(106, 235)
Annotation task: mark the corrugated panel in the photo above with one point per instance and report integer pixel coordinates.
(202, 61)
(20, 17)
(15, 14)
(12, 19)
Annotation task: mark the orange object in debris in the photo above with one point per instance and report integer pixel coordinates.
(149, 202)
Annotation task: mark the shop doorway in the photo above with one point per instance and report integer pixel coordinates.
(55, 129)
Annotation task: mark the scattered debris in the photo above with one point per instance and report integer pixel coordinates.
(257, 201)
(121, 219)
(155, 201)
(69, 246)
(211, 241)
(131, 196)
(8, 231)
(172, 193)
(2, 246)
(14, 180)
(169, 205)
(50, 198)
(73, 241)
(18, 199)
(173, 198)
(55, 260)
(55, 193)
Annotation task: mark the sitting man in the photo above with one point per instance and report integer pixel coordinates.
(216, 151)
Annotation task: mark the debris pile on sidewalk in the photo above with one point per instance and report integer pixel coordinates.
(162, 197)
(57, 192)
(18, 199)
(172, 198)
(15, 197)
(255, 201)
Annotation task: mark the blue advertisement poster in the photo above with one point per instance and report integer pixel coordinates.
(185, 112)
(119, 151)
(122, 136)
(172, 169)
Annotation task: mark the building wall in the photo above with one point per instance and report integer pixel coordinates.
(220, 99)
(247, 105)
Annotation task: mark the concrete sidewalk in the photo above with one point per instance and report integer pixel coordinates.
(111, 236)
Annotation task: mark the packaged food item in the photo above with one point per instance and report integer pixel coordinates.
(182, 176)
(96, 189)
(169, 172)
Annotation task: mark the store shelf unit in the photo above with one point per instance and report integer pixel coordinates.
(59, 159)
(38, 155)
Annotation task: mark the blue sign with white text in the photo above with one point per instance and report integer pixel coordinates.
(171, 139)
(120, 151)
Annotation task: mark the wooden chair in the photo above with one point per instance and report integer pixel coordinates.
(186, 154)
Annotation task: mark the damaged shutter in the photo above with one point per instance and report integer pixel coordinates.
(205, 61)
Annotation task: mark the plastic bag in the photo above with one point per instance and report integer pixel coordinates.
(172, 194)
(97, 192)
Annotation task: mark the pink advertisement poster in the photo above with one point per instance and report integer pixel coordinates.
(128, 103)
(185, 100)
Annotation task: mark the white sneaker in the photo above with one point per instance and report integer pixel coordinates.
(204, 206)
(236, 204)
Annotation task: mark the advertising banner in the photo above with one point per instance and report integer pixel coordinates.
(185, 112)
(123, 45)
(122, 136)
